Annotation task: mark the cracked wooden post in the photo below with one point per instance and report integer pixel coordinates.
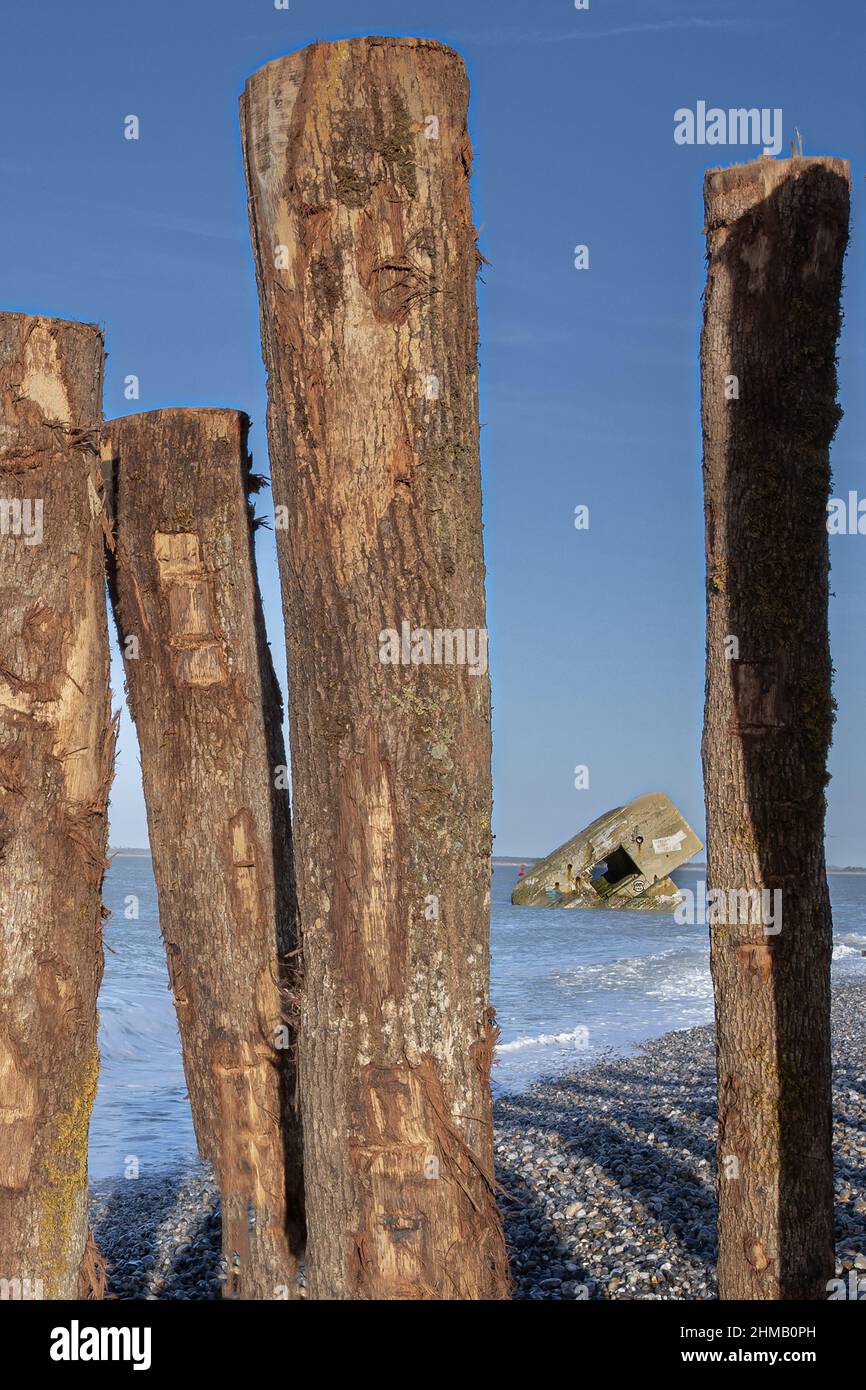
(56, 758)
(207, 708)
(776, 237)
(357, 160)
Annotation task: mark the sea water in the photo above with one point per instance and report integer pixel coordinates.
(568, 987)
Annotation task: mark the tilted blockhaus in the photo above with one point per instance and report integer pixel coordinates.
(622, 860)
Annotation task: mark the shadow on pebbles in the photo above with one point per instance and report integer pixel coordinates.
(609, 1172)
(607, 1178)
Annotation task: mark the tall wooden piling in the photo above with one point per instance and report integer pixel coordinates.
(56, 758)
(357, 160)
(207, 709)
(776, 237)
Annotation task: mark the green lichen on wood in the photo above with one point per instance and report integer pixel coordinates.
(396, 145)
(719, 577)
(326, 277)
(65, 1172)
(406, 697)
(359, 142)
(184, 517)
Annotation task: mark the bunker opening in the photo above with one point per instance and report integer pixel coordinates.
(608, 874)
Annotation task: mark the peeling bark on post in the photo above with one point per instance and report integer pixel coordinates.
(207, 708)
(776, 237)
(56, 759)
(357, 159)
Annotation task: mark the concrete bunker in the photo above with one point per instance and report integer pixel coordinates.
(624, 859)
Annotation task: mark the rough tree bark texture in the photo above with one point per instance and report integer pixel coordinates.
(776, 237)
(357, 160)
(56, 758)
(207, 708)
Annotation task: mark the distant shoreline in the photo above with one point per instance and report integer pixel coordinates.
(499, 861)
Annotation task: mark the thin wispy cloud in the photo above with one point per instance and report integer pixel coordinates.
(657, 26)
(581, 33)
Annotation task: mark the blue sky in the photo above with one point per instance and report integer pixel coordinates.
(589, 378)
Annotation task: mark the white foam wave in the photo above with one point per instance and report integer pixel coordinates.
(694, 983)
(841, 951)
(577, 1038)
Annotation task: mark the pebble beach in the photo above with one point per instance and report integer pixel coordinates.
(607, 1176)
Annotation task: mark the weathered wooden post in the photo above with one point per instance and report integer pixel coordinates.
(357, 160)
(207, 708)
(56, 760)
(776, 237)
